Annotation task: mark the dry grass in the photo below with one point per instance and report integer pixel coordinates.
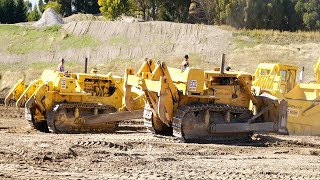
(278, 37)
(251, 47)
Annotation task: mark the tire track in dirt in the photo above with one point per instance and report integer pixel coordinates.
(10, 112)
(93, 144)
(140, 155)
(14, 171)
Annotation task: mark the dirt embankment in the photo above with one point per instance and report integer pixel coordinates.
(117, 45)
(132, 41)
(152, 39)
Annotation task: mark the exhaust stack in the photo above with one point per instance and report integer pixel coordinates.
(223, 61)
(86, 65)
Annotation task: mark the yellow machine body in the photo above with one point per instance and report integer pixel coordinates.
(276, 79)
(304, 110)
(69, 99)
(15, 93)
(303, 99)
(200, 105)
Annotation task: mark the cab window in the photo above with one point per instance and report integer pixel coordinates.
(283, 75)
(264, 72)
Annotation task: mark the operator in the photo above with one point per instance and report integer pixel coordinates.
(94, 71)
(228, 68)
(61, 65)
(185, 63)
(301, 78)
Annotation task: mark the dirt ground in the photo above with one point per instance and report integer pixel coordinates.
(28, 154)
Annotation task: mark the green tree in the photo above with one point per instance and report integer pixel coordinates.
(66, 9)
(54, 5)
(154, 8)
(112, 9)
(20, 12)
(177, 10)
(41, 6)
(235, 13)
(8, 11)
(86, 6)
(1, 11)
(309, 10)
(140, 8)
(293, 20)
(166, 10)
(34, 15)
(28, 5)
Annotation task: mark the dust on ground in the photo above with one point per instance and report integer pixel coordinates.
(28, 154)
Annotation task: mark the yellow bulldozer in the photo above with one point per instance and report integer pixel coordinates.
(303, 98)
(203, 105)
(75, 102)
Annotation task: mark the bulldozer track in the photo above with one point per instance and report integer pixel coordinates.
(183, 110)
(132, 125)
(52, 124)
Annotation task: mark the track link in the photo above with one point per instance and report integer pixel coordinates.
(56, 124)
(180, 118)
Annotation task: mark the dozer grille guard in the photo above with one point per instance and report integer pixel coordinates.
(161, 94)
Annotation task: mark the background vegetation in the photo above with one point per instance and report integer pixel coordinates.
(283, 15)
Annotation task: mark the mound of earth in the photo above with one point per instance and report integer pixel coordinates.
(82, 17)
(49, 18)
(130, 19)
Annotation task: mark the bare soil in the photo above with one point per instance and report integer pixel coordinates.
(28, 154)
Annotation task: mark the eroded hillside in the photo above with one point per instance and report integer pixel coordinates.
(25, 51)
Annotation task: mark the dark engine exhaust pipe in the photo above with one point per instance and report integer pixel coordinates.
(86, 65)
(223, 61)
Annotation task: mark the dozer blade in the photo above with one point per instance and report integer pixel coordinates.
(112, 117)
(277, 114)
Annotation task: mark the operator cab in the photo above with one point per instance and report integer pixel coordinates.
(283, 75)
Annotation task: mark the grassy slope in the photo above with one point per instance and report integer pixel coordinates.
(21, 40)
(251, 47)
